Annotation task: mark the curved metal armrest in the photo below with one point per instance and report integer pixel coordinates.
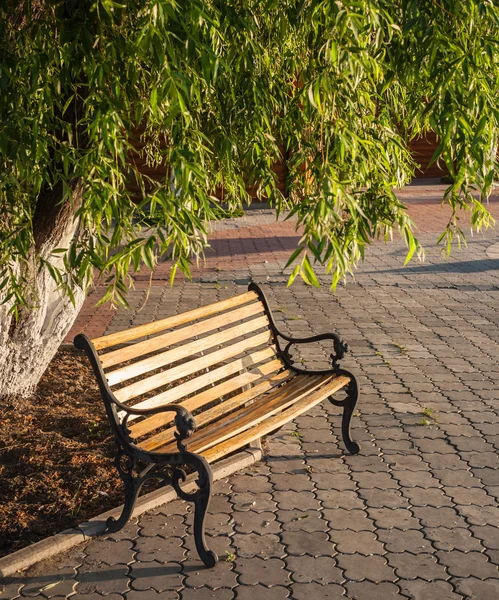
(340, 347)
(184, 421)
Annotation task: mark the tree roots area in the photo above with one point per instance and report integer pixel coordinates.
(56, 456)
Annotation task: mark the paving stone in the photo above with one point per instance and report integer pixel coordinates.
(419, 589)
(175, 507)
(471, 496)
(251, 501)
(470, 444)
(481, 459)
(222, 504)
(111, 552)
(441, 446)
(396, 446)
(11, 590)
(306, 591)
(488, 534)
(250, 521)
(253, 544)
(306, 569)
(493, 556)
(262, 593)
(329, 450)
(267, 572)
(400, 518)
(222, 486)
(285, 482)
(358, 567)
(438, 517)
(444, 461)
(257, 484)
(390, 498)
(94, 576)
(158, 577)
(366, 590)
(487, 476)
(453, 539)
(380, 481)
(424, 566)
(361, 542)
(334, 499)
(35, 587)
(357, 520)
(159, 549)
(481, 515)
(286, 466)
(410, 540)
(220, 544)
(296, 500)
(173, 525)
(427, 497)
(451, 478)
(197, 575)
(96, 596)
(422, 479)
(473, 589)
(411, 462)
(205, 593)
(219, 524)
(144, 595)
(332, 481)
(301, 542)
(297, 520)
(468, 564)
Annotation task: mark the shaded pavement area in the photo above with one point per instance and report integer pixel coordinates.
(414, 515)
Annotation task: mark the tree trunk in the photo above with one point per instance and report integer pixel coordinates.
(28, 345)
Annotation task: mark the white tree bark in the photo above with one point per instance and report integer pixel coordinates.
(28, 346)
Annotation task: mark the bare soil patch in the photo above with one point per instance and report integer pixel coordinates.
(56, 456)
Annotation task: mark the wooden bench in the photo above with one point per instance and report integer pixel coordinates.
(185, 391)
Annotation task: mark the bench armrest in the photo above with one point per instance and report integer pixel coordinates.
(184, 421)
(340, 347)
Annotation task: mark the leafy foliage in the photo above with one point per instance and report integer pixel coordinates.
(214, 92)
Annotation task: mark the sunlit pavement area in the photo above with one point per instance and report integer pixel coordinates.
(414, 515)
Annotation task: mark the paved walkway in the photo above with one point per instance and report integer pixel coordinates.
(415, 515)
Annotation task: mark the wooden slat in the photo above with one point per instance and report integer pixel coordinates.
(162, 438)
(193, 366)
(175, 354)
(274, 422)
(253, 414)
(213, 393)
(248, 416)
(189, 387)
(121, 355)
(150, 328)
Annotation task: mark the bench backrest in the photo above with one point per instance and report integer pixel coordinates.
(221, 352)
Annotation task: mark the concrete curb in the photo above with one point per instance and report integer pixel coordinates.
(26, 557)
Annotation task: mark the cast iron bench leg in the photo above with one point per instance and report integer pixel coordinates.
(201, 500)
(125, 465)
(348, 405)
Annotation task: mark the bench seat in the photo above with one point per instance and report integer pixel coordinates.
(188, 390)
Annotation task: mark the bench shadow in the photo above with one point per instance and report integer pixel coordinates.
(111, 574)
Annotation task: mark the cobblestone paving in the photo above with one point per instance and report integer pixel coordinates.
(414, 515)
